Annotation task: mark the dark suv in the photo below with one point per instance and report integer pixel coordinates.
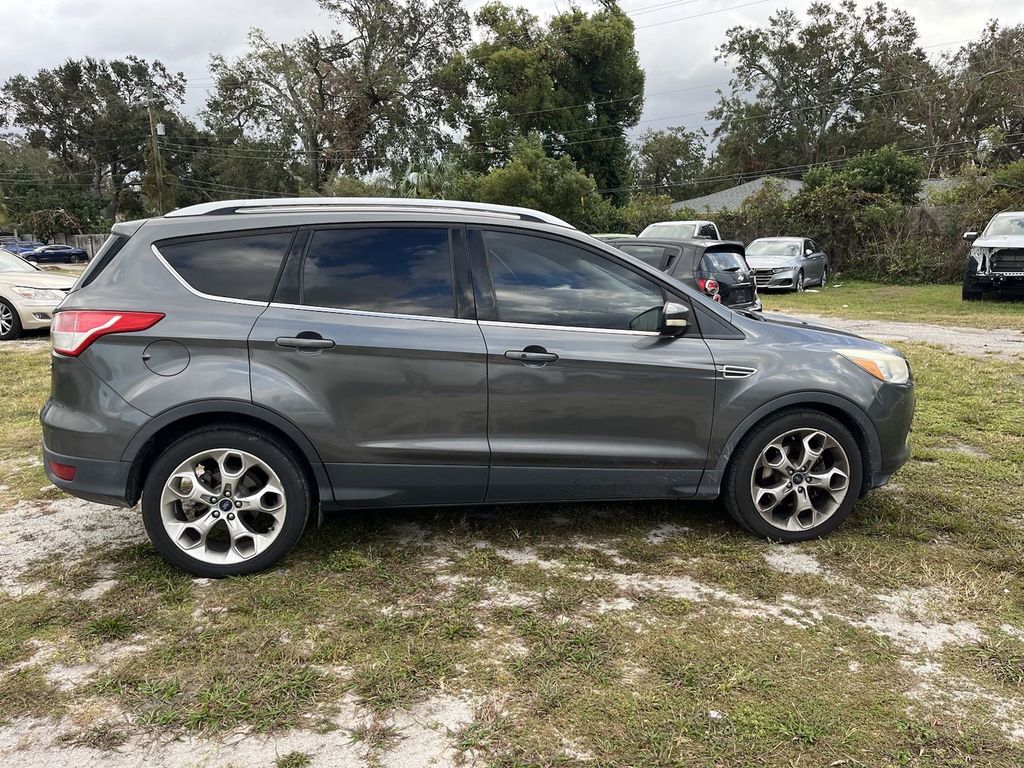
(716, 268)
(239, 365)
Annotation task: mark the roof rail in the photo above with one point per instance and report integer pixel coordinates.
(297, 204)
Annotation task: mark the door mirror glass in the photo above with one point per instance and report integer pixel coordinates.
(970, 237)
(808, 252)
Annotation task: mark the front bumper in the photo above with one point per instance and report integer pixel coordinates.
(775, 280)
(892, 413)
(35, 314)
(998, 281)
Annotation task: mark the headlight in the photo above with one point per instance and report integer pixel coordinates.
(884, 366)
(979, 254)
(781, 269)
(37, 294)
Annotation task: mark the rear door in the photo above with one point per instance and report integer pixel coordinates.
(581, 405)
(370, 348)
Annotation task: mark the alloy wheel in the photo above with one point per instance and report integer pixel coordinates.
(824, 276)
(800, 283)
(6, 319)
(223, 506)
(800, 479)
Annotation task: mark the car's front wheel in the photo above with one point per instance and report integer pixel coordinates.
(10, 321)
(796, 476)
(824, 277)
(225, 502)
(800, 282)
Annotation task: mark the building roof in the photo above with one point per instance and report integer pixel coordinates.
(732, 198)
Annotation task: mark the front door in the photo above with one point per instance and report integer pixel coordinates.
(581, 406)
(366, 350)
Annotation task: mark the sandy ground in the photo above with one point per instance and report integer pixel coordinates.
(978, 342)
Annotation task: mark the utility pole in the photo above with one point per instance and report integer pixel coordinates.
(158, 163)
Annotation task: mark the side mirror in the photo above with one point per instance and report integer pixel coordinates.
(808, 252)
(674, 318)
(970, 237)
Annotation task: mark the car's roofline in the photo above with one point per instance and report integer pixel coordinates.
(328, 204)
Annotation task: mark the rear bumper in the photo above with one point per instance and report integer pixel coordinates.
(99, 480)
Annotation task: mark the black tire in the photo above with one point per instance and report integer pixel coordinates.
(736, 493)
(824, 276)
(969, 293)
(285, 463)
(74, 259)
(799, 286)
(15, 331)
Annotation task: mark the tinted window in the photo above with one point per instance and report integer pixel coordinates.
(406, 271)
(650, 254)
(239, 267)
(550, 282)
(722, 261)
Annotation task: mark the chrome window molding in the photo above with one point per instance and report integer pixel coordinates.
(369, 313)
(200, 294)
(502, 324)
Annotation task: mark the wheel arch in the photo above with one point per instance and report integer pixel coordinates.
(145, 446)
(846, 412)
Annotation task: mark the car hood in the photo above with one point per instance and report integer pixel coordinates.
(37, 280)
(768, 261)
(1000, 241)
(813, 330)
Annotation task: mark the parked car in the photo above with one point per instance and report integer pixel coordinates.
(682, 229)
(996, 258)
(19, 247)
(239, 365)
(716, 268)
(789, 263)
(606, 236)
(56, 254)
(28, 295)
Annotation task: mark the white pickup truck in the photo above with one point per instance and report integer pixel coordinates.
(685, 229)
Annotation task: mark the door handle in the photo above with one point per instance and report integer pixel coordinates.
(532, 356)
(304, 342)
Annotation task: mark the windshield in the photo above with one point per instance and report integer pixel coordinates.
(11, 263)
(722, 261)
(774, 248)
(670, 229)
(1006, 225)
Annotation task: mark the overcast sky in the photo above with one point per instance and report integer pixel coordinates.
(676, 40)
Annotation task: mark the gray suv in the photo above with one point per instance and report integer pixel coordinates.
(241, 365)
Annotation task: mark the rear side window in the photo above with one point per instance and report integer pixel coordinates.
(649, 254)
(401, 270)
(236, 267)
(722, 261)
(103, 257)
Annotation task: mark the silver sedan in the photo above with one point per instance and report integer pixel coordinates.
(787, 263)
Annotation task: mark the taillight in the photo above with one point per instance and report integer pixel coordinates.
(73, 330)
(709, 286)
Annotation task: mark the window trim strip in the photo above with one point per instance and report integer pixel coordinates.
(369, 313)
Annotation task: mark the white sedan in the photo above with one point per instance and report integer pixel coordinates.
(28, 295)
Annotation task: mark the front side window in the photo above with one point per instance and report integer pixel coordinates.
(399, 270)
(542, 281)
(237, 267)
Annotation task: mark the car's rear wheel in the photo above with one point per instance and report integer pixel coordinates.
(796, 476)
(800, 282)
(225, 502)
(10, 322)
(74, 258)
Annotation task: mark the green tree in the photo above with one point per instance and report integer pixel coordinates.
(534, 179)
(669, 162)
(383, 87)
(92, 116)
(577, 83)
(801, 89)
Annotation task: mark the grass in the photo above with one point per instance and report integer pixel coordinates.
(939, 304)
(575, 632)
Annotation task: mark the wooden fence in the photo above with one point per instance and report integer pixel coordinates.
(88, 243)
